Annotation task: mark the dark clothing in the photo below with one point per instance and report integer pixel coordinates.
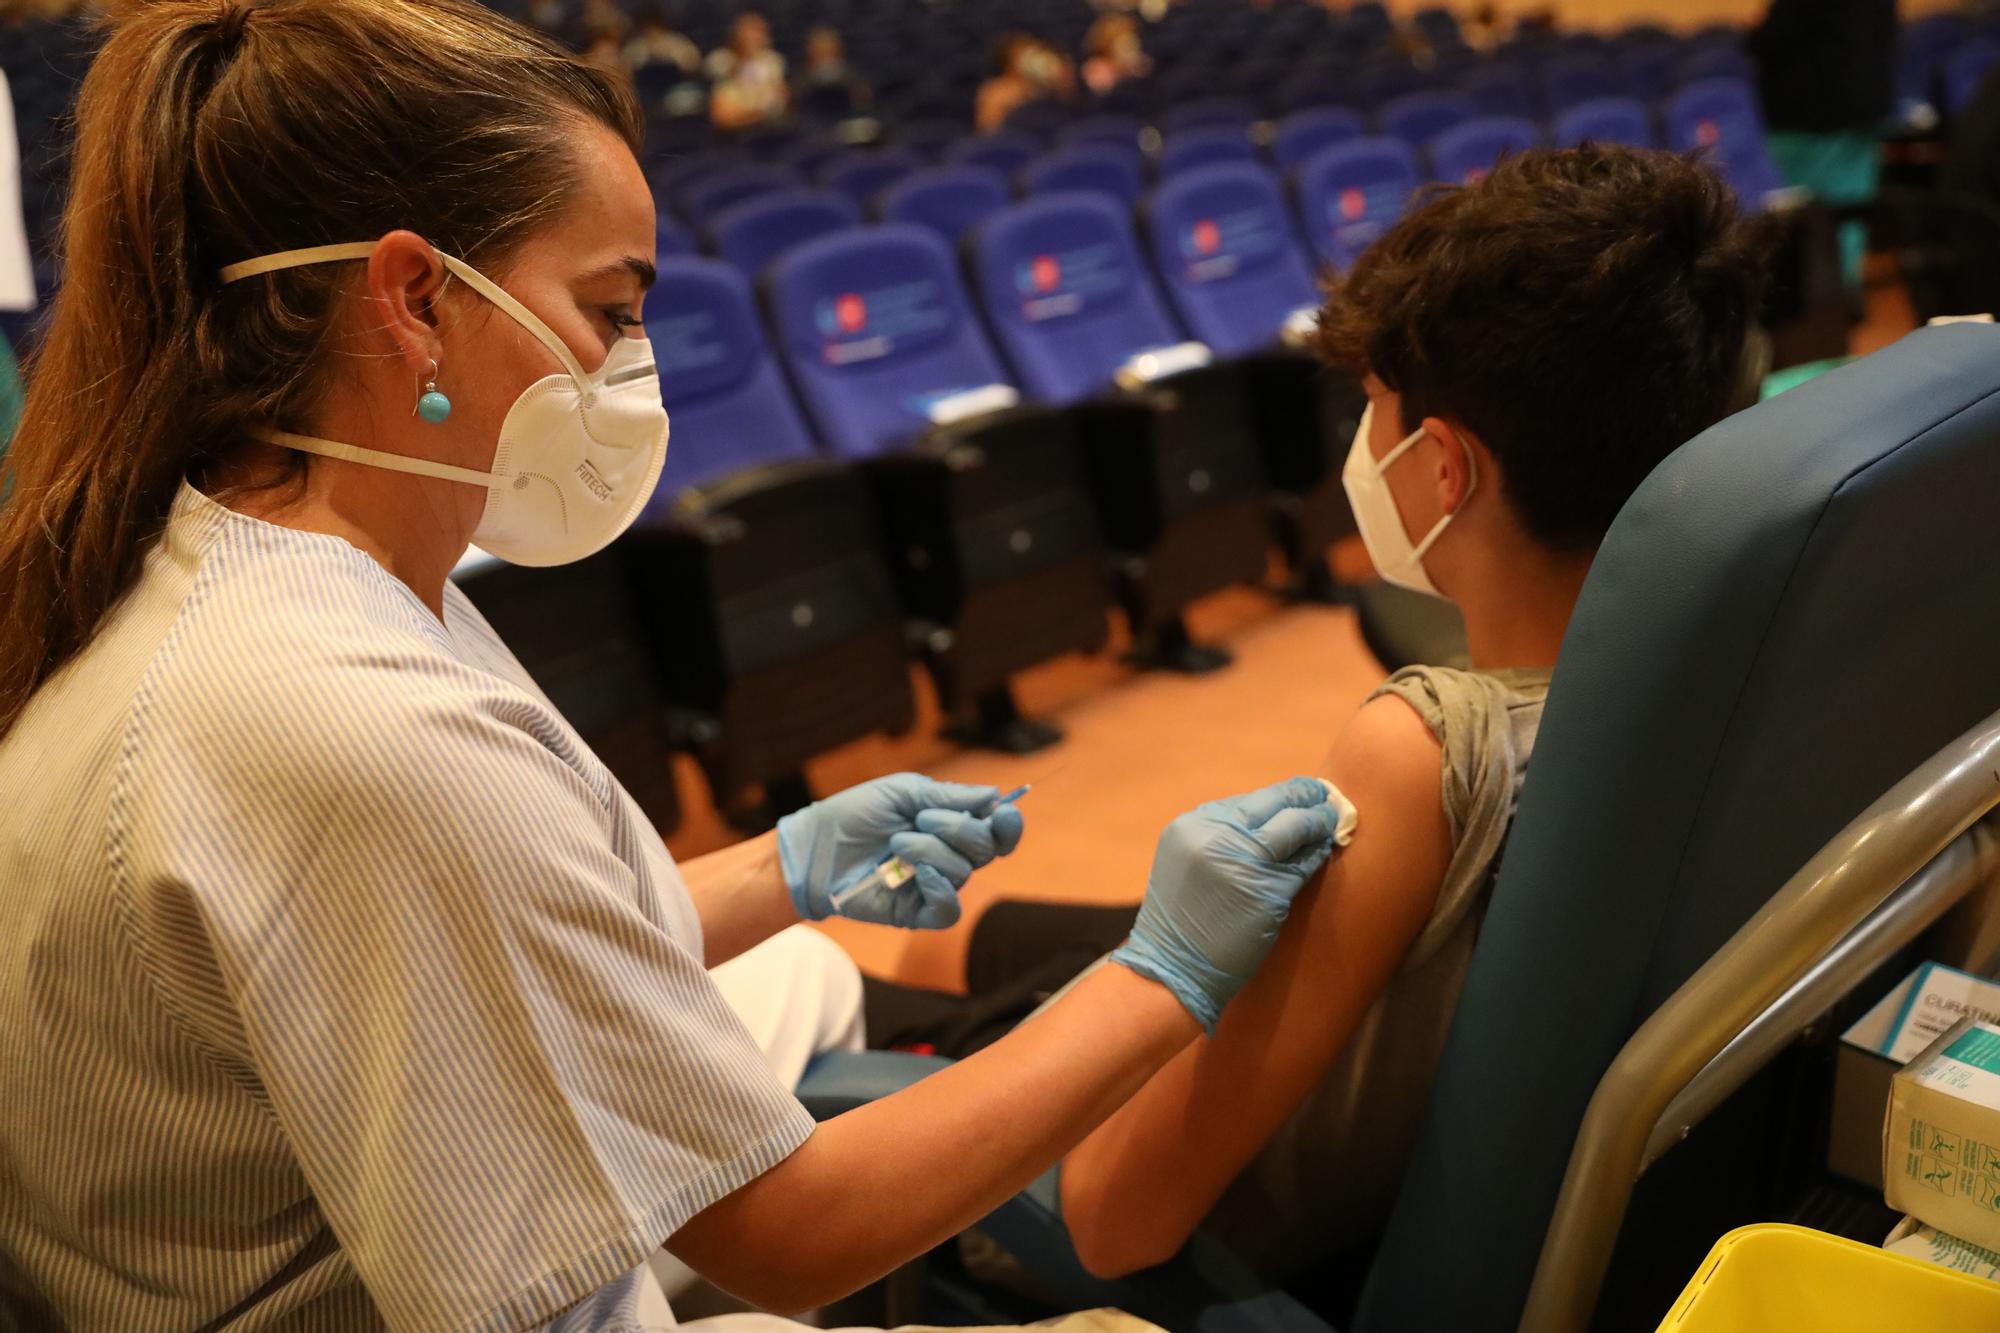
(1824, 66)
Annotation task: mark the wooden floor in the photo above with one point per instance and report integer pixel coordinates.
(1141, 746)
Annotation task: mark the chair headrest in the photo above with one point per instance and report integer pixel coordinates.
(869, 296)
(703, 327)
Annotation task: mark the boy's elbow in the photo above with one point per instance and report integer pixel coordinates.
(1115, 1238)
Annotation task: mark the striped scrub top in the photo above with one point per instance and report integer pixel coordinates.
(342, 987)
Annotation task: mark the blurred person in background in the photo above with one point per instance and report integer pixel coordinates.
(1826, 71)
(749, 76)
(654, 42)
(1113, 54)
(1030, 71)
(828, 80)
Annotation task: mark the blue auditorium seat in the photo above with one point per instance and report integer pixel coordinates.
(1227, 255)
(1648, 70)
(1204, 146)
(1499, 88)
(730, 406)
(1098, 168)
(1120, 131)
(673, 179)
(1965, 69)
(1387, 78)
(1209, 113)
(670, 238)
(1006, 152)
(809, 155)
(1349, 194)
(755, 232)
(1622, 120)
(706, 199)
(875, 327)
(1466, 153)
(863, 173)
(1305, 132)
(1923, 46)
(1417, 118)
(1717, 60)
(929, 139)
(1721, 117)
(948, 200)
(1041, 118)
(1577, 77)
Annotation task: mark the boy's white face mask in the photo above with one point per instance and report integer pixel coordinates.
(1375, 512)
(579, 452)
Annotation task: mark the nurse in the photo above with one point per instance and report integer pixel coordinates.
(342, 986)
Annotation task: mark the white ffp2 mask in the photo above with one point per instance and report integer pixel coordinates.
(1375, 512)
(579, 451)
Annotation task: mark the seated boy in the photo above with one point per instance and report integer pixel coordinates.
(1532, 346)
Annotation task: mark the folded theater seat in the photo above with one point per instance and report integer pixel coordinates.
(1223, 244)
(996, 552)
(758, 571)
(1166, 433)
(1352, 192)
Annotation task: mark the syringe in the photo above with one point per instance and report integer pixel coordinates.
(895, 872)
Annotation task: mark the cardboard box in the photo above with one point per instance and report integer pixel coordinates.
(1941, 1144)
(1913, 1238)
(1902, 1023)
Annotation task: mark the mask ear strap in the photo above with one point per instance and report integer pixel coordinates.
(473, 278)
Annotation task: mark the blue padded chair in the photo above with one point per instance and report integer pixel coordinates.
(731, 408)
(948, 200)
(1351, 193)
(1094, 168)
(1209, 113)
(1383, 81)
(1621, 120)
(808, 156)
(1184, 150)
(708, 198)
(670, 237)
(1721, 117)
(1500, 88)
(1005, 152)
(1965, 69)
(1648, 70)
(863, 173)
(929, 139)
(1120, 131)
(1231, 263)
(718, 552)
(1721, 710)
(1923, 46)
(754, 233)
(1041, 118)
(673, 178)
(1174, 472)
(1303, 133)
(990, 521)
(1418, 118)
(1577, 77)
(1466, 153)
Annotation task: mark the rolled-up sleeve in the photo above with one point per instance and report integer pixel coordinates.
(505, 1080)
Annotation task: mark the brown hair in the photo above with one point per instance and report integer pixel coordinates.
(1581, 311)
(211, 131)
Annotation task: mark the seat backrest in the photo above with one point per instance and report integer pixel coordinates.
(1716, 61)
(1351, 193)
(1209, 113)
(1721, 117)
(1041, 118)
(863, 173)
(755, 232)
(929, 138)
(809, 155)
(1303, 133)
(1060, 280)
(1499, 89)
(1792, 613)
(1465, 153)
(673, 177)
(948, 200)
(1006, 151)
(1647, 70)
(1227, 255)
(670, 237)
(1622, 120)
(875, 326)
(1577, 77)
(1095, 168)
(1966, 68)
(1418, 118)
(1204, 146)
(727, 398)
(1120, 131)
(1923, 45)
(704, 201)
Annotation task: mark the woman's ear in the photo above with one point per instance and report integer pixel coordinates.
(1459, 463)
(405, 275)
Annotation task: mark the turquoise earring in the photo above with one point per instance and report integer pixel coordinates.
(432, 406)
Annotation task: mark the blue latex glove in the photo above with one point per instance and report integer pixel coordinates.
(1223, 879)
(945, 830)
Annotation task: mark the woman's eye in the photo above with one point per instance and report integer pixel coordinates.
(622, 320)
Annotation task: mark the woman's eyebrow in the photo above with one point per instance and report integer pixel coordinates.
(642, 269)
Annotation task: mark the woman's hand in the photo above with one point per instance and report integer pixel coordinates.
(1223, 880)
(945, 830)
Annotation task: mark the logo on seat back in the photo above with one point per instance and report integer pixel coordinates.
(1353, 203)
(1707, 133)
(1044, 273)
(850, 312)
(1206, 237)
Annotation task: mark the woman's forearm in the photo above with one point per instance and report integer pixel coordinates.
(889, 1180)
(740, 895)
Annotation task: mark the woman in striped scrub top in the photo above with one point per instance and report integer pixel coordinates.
(343, 987)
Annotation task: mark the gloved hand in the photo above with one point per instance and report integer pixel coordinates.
(1223, 879)
(945, 830)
